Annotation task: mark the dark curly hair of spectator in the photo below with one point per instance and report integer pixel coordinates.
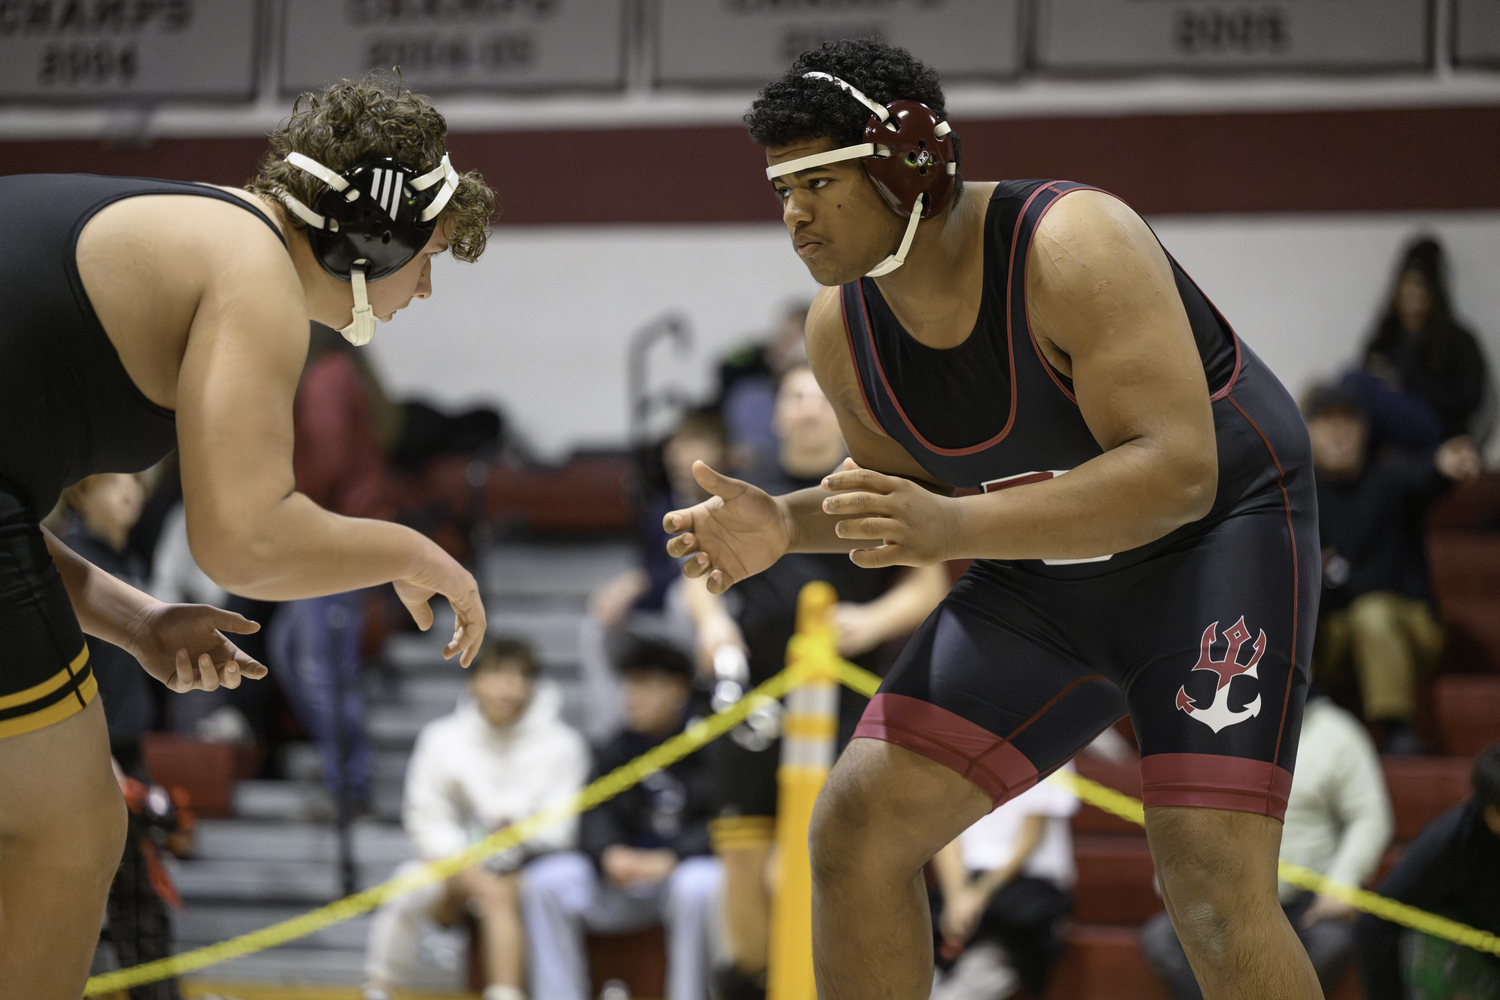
(795, 107)
(354, 120)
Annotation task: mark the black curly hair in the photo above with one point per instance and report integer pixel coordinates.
(796, 107)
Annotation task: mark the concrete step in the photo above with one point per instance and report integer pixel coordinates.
(296, 965)
(245, 840)
(290, 882)
(208, 923)
(552, 570)
(305, 764)
(303, 802)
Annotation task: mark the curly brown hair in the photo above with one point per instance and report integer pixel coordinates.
(353, 120)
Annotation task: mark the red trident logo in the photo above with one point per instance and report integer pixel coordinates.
(1217, 715)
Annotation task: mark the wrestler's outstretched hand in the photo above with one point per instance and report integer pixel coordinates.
(913, 526)
(734, 534)
(183, 646)
(445, 576)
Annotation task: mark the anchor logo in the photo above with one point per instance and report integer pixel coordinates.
(1217, 714)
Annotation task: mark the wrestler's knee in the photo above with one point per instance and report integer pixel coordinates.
(1217, 871)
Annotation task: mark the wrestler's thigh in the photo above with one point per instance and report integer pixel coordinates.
(62, 834)
(1216, 653)
(993, 686)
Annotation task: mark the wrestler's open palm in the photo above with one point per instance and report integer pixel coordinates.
(736, 533)
(184, 647)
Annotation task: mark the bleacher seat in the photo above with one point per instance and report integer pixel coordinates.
(1468, 711)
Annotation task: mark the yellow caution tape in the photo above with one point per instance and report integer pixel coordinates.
(1128, 808)
(607, 787)
(807, 663)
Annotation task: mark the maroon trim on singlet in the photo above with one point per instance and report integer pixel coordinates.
(1052, 371)
(1291, 534)
(858, 375)
(1208, 781)
(864, 315)
(997, 767)
(1046, 365)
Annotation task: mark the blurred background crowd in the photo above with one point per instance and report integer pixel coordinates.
(1329, 178)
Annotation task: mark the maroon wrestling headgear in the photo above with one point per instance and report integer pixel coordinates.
(908, 154)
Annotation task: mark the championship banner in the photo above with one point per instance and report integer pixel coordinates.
(748, 42)
(97, 50)
(450, 45)
(1142, 36)
(1476, 33)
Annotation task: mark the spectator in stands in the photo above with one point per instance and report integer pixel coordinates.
(315, 644)
(665, 485)
(1451, 869)
(1002, 887)
(1420, 350)
(104, 508)
(747, 388)
(101, 511)
(1338, 823)
(645, 857)
(755, 620)
(502, 755)
(1376, 620)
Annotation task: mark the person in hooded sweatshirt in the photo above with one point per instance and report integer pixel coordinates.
(503, 754)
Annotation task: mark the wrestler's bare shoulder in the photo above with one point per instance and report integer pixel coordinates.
(150, 264)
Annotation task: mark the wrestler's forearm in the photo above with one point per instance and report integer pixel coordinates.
(297, 550)
(1127, 497)
(107, 607)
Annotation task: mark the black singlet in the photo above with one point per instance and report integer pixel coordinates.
(1203, 635)
(67, 407)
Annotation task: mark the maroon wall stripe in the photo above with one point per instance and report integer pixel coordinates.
(1368, 160)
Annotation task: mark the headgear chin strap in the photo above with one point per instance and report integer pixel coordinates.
(909, 155)
(369, 222)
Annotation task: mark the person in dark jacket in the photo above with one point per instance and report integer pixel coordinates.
(1420, 350)
(1451, 869)
(645, 855)
(1376, 621)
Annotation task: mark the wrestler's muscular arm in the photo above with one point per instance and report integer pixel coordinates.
(1105, 310)
(249, 528)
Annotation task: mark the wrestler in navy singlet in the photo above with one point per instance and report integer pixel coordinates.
(1203, 636)
(68, 409)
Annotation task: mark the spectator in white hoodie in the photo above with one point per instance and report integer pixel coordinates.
(502, 755)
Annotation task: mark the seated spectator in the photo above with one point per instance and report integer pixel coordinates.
(104, 508)
(1376, 619)
(502, 755)
(1451, 869)
(1421, 350)
(665, 486)
(750, 627)
(1002, 887)
(1338, 823)
(645, 857)
(315, 644)
(747, 388)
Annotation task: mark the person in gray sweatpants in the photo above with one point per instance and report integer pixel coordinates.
(645, 855)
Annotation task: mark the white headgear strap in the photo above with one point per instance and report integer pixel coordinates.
(362, 323)
(898, 258)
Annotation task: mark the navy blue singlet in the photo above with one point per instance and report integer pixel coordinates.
(1203, 636)
(68, 410)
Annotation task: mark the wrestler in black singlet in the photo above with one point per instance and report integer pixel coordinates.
(67, 410)
(1203, 636)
